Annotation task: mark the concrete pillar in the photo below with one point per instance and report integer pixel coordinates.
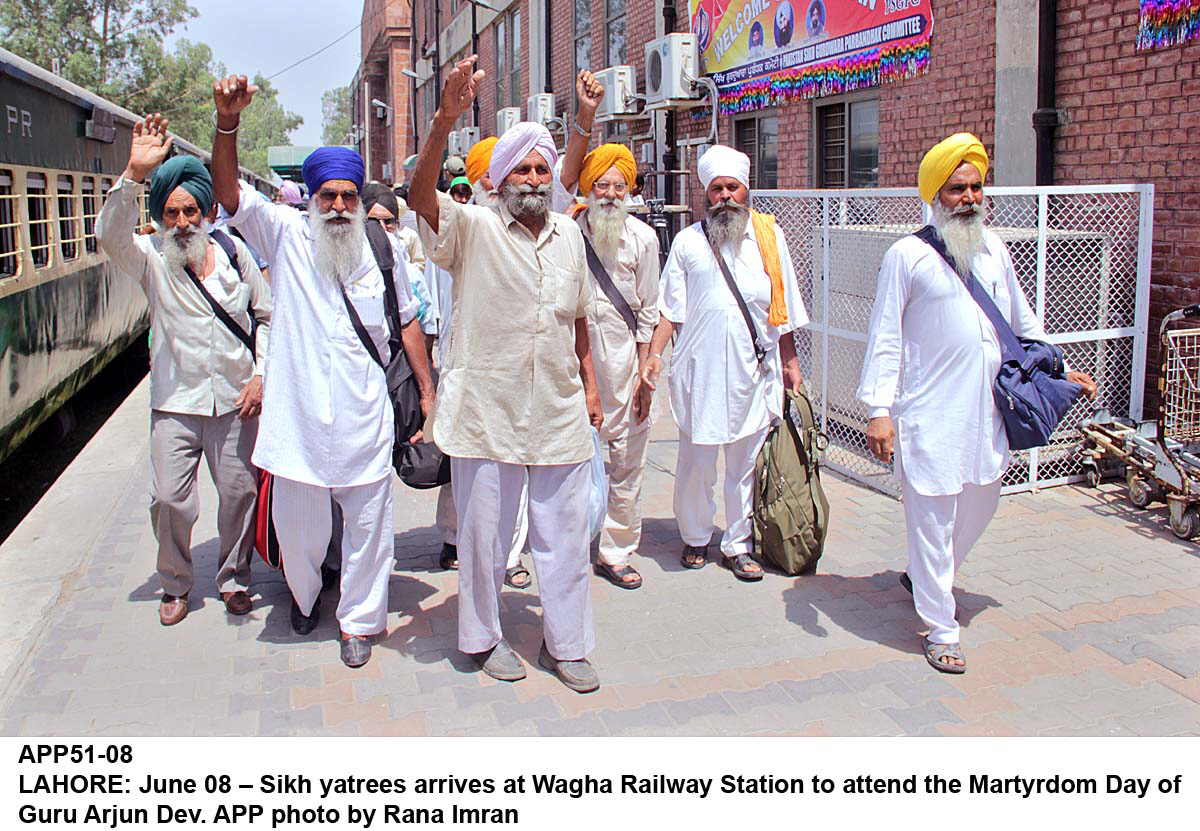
(1014, 157)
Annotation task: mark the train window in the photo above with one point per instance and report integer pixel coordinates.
(68, 218)
(10, 228)
(143, 210)
(38, 201)
(91, 207)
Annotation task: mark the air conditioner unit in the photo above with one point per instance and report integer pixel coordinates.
(506, 118)
(620, 85)
(671, 64)
(540, 108)
(461, 141)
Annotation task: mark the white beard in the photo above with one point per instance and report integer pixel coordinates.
(606, 221)
(181, 248)
(337, 248)
(727, 221)
(525, 201)
(486, 198)
(962, 232)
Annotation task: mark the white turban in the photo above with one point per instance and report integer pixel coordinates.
(512, 148)
(723, 161)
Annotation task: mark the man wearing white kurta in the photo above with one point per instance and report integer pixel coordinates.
(328, 424)
(516, 397)
(722, 397)
(931, 358)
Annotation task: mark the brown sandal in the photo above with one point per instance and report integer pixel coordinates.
(617, 574)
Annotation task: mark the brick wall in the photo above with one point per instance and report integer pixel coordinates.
(1134, 117)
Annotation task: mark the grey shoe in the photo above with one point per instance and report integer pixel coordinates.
(576, 675)
(356, 651)
(501, 662)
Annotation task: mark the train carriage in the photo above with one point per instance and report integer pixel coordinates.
(65, 312)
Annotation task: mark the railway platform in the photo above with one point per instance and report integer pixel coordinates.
(1081, 616)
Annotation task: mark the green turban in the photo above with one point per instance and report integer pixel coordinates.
(182, 171)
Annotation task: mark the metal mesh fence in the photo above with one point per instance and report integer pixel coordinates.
(1081, 256)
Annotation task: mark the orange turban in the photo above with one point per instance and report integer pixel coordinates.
(947, 156)
(479, 158)
(596, 163)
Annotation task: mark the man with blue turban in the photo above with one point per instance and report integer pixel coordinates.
(932, 355)
(517, 393)
(205, 377)
(328, 423)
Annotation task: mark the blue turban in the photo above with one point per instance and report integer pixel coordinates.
(326, 163)
(180, 172)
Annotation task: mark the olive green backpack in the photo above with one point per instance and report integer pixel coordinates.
(791, 514)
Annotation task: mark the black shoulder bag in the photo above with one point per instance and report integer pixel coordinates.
(222, 239)
(760, 354)
(609, 287)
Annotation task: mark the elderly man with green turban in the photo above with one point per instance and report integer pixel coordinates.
(210, 310)
(932, 355)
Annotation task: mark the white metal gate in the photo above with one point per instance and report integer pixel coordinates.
(1082, 256)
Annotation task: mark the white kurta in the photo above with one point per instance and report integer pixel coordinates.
(931, 358)
(326, 418)
(718, 395)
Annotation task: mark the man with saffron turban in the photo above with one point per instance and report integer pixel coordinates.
(518, 391)
(623, 261)
(932, 355)
(727, 384)
(328, 425)
(205, 381)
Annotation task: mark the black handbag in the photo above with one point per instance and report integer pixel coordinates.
(1031, 389)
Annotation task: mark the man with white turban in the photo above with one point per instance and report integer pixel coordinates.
(518, 391)
(623, 259)
(932, 355)
(727, 384)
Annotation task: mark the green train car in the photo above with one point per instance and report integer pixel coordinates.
(65, 312)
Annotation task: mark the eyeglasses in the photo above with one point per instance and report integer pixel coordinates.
(328, 195)
(620, 188)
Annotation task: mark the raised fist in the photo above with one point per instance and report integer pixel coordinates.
(588, 91)
(232, 95)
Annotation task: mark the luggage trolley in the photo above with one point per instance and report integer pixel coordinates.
(1161, 457)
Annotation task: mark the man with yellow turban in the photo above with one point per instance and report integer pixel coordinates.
(623, 260)
(931, 358)
(727, 383)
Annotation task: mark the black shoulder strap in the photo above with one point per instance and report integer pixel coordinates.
(609, 287)
(1010, 346)
(226, 242)
(381, 248)
(759, 353)
(222, 315)
(359, 329)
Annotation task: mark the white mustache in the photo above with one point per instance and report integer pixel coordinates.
(541, 189)
(963, 210)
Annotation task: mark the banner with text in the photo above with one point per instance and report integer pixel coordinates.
(763, 52)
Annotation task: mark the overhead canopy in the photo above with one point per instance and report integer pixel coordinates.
(287, 159)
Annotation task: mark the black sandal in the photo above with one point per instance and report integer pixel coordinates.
(448, 559)
(617, 574)
(740, 566)
(699, 551)
(511, 573)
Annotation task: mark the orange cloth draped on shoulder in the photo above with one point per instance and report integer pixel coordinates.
(764, 230)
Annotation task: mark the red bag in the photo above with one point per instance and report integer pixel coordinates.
(265, 541)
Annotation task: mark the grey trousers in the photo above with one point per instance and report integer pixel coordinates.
(176, 444)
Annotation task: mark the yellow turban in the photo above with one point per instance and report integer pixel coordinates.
(479, 158)
(596, 163)
(946, 157)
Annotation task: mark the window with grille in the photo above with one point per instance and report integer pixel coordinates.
(68, 218)
(501, 51)
(38, 203)
(91, 207)
(847, 145)
(10, 228)
(614, 18)
(514, 56)
(758, 138)
(583, 38)
(508, 59)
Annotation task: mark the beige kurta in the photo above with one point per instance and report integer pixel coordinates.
(512, 392)
(614, 349)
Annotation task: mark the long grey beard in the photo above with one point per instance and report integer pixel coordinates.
(181, 248)
(727, 221)
(484, 197)
(338, 249)
(606, 221)
(962, 231)
(525, 201)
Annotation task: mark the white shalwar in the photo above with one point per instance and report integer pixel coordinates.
(327, 421)
(931, 358)
(719, 397)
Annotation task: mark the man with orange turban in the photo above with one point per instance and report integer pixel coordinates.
(479, 159)
(727, 382)
(932, 355)
(623, 261)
